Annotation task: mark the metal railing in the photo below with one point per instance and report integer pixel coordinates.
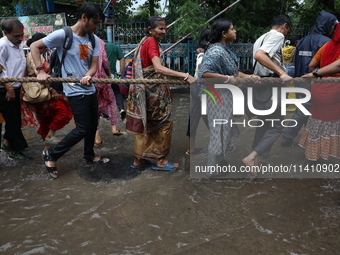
(183, 56)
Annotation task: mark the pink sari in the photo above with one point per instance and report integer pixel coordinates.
(105, 95)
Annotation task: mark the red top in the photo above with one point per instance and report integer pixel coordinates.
(148, 51)
(326, 96)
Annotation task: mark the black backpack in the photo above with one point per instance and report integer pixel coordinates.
(56, 64)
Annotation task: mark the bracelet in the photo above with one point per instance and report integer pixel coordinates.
(8, 87)
(227, 79)
(39, 68)
(186, 77)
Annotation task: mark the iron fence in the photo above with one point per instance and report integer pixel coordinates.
(183, 56)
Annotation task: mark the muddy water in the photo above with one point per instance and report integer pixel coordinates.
(111, 209)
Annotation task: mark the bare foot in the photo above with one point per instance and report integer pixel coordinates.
(163, 162)
(138, 162)
(252, 162)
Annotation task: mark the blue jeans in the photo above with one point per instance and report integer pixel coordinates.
(85, 114)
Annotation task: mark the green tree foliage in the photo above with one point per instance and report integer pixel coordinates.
(192, 18)
(6, 8)
(149, 8)
(310, 9)
(250, 18)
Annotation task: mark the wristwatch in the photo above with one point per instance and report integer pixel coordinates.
(315, 73)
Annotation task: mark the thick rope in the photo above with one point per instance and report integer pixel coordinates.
(108, 81)
(240, 81)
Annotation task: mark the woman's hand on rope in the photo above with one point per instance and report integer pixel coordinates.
(254, 76)
(191, 80)
(42, 77)
(309, 75)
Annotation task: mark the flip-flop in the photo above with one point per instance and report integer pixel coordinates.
(51, 140)
(101, 160)
(98, 144)
(145, 164)
(118, 133)
(196, 151)
(168, 167)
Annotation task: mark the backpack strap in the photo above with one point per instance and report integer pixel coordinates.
(67, 43)
(259, 47)
(69, 40)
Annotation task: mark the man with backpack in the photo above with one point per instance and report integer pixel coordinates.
(304, 53)
(80, 61)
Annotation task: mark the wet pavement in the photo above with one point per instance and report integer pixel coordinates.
(112, 209)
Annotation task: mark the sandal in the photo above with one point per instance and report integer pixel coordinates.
(49, 169)
(168, 167)
(146, 163)
(52, 140)
(98, 144)
(196, 151)
(101, 160)
(118, 133)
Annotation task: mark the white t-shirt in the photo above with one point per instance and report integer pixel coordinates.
(272, 43)
(77, 60)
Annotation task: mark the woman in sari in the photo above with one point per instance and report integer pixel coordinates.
(221, 64)
(149, 105)
(51, 115)
(106, 98)
(321, 137)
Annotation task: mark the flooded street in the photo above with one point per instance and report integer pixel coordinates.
(112, 209)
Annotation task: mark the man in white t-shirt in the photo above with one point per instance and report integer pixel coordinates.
(81, 61)
(267, 52)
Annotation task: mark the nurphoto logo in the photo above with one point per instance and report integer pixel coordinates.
(239, 104)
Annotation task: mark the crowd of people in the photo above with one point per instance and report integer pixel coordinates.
(148, 106)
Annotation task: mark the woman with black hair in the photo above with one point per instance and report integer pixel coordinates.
(51, 115)
(149, 105)
(221, 63)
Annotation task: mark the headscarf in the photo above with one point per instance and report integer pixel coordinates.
(332, 49)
